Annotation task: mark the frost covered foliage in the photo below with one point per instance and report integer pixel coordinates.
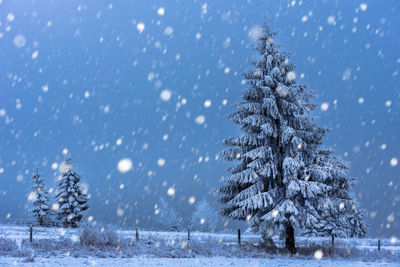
(283, 179)
(96, 235)
(336, 214)
(7, 245)
(40, 201)
(70, 198)
(205, 217)
(168, 217)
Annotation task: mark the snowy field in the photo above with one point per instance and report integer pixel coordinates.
(201, 262)
(58, 246)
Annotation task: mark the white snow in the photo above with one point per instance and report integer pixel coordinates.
(19, 40)
(191, 200)
(161, 162)
(291, 75)
(140, 27)
(161, 11)
(324, 106)
(363, 6)
(200, 119)
(120, 212)
(124, 165)
(193, 262)
(255, 32)
(45, 88)
(165, 95)
(171, 191)
(10, 17)
(318, 254)
(207, 249)
(346, 74)
(168, 30)
(54, 165)
(118, 142)
(35, 54)
(331, 20)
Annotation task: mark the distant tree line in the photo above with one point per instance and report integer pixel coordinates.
(205, 217)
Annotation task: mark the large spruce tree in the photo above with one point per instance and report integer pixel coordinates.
(40, 201)
(70, 198)
(283, 179)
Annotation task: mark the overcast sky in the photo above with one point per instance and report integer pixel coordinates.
(150, 83)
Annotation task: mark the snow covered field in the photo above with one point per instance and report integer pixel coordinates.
(213, 261)
(57, 246)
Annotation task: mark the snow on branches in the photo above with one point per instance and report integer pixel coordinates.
(40, 201)
(283, 178)
(71, 200)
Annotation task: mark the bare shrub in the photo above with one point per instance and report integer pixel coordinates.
(7, 245)
(99, 236)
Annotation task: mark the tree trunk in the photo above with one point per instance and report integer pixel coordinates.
(290, 244)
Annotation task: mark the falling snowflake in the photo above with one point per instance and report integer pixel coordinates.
(318, 254)
(363, 6)
(140, 27)
(324, 106)
(171, 191)
(394, 162)
(207, 103)
(168, 30)
(165, 95)
(161, 162)
(19, 40)
(191, 200)
(124, 165)
(200, 119)
(161, 11)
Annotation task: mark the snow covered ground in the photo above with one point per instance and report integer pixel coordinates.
(201, 262)
(57, 246)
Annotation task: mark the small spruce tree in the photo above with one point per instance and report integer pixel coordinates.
(168, 217)
(70, 198)
(40, 201)
(283, 180)
(205, 217)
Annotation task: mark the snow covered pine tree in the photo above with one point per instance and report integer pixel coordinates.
(70, 198)
(41, 208)
(283, 179)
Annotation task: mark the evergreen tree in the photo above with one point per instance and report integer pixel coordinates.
(283, 180)
(40, 201)
(70, 198)
(338, 214)
(168, 217)
(205, 217)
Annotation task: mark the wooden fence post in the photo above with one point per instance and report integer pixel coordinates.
(30, 234)
(239, 237)
(379, 244)
(188, 234)
(137, 234)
